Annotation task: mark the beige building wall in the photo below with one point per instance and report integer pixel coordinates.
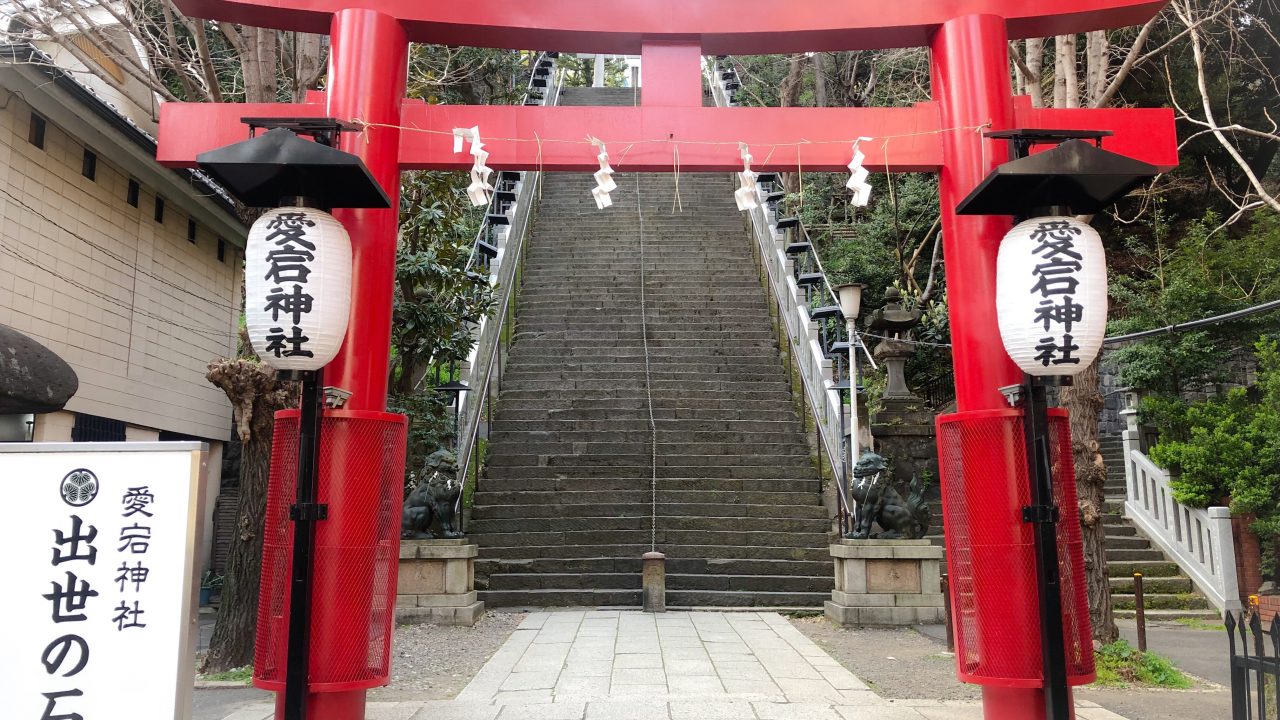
(135, 308)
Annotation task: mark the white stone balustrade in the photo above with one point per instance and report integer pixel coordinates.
(1198, 539)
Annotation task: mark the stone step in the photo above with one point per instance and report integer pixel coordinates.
(675, 582)
(609, 465)
(487, 567)
(661, 414)
(640, 535)
(640, 452)
(765, 471)
(739, 366)
(588, 355)
(691, 279)
(631, 598)
(540, 344)
(658, 381)
(1125, 530)
(1162, 601)
(571, 440)
(761, 369)
(658, 337)
(778, 484)
(708, 552)
(622, 497)
(1168, 585)
(484, 525)
(1168, 615)
(532, 305)
(662, 396)
(739, 511)
(1149, 568)
(1125, 542)
(547, 425)
(1132, 554)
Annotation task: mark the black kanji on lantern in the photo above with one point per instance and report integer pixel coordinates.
(295, 303)
(1056, 280)
(1051, 352)
(277, 341)
(1055, 275)
(290, 227)
(1066, 313)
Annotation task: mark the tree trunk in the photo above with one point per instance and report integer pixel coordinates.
(1035, 63)
(255, 396)
(1083, 401)
(1097, 63)
(789, 96)
(1066, 79)
(819, 80)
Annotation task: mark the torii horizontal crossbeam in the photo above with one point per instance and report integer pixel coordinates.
(719, 26)
(646, 139)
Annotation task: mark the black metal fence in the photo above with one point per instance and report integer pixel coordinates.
(1255, 676)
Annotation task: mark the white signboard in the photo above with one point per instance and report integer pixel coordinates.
(99, 591)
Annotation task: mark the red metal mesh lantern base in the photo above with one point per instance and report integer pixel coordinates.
(991, 552)
(361, 479)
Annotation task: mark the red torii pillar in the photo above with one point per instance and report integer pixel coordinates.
(971, 87)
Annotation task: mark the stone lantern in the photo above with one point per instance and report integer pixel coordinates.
(894, 323)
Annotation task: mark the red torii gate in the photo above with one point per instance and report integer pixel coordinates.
(971, 84)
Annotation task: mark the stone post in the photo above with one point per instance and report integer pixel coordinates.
(654, 582)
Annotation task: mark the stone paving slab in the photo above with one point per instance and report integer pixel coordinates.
(628, 665)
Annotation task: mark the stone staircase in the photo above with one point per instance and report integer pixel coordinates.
(563, 512)
(1167, 592)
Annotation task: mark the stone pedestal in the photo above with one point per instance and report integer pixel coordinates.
(437, 583)
(886, 582)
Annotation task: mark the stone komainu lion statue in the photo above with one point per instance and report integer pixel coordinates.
(434, 499)
(878, 502)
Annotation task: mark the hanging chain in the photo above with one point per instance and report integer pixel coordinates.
(648, 381)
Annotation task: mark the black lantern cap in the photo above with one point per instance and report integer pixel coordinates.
(1075, 175)
(453, 386)
(277, 164)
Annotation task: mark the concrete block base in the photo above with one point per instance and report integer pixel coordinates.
(864, 616)
(436, 583)
(466, 615)
(886, 582)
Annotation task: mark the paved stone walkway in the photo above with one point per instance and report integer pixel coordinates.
(627, 665)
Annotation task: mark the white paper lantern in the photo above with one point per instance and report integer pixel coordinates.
(297, 287)
(1051, 295)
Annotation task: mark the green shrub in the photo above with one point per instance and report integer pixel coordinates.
(1228, 447)
(1120, 664)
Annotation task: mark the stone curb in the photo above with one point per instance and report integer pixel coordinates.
(221, 684)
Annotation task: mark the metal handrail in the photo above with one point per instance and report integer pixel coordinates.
(490, 341)
(828, 413)
(493, 199)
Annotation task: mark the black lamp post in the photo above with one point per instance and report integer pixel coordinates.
(1076, 177)
(455, 388)
(278, 169)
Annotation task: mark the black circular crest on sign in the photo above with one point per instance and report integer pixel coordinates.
(79, 487)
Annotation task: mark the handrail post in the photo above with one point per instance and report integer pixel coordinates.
(1140, 612)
